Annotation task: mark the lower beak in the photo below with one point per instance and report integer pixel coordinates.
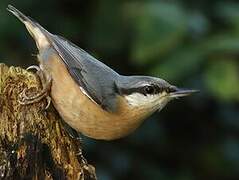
(182, 92)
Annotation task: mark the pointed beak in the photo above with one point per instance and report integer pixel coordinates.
(182, 92)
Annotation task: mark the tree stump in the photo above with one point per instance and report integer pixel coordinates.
(33, 141)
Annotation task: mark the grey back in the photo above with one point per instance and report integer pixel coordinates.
(97, 79)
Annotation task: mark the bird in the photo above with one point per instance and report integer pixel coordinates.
(91, 97)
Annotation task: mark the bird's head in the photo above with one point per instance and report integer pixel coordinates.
(149, 93)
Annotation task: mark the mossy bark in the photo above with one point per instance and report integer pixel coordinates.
(33, 141)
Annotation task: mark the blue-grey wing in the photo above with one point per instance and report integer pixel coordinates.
(97, 79)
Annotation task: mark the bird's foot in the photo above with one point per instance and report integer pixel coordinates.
(46, 85)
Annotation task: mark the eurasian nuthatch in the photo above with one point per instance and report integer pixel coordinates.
(91, 97)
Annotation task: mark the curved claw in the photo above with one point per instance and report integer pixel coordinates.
(31, 101)
(34, 67)
(46, 84)
(26, 100)
(48, 99)
(40, 94)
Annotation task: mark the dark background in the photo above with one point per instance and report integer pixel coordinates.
(189, 43)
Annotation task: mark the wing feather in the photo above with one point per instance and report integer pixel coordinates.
(97, 79)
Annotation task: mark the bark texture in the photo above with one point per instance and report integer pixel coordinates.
(33, 141)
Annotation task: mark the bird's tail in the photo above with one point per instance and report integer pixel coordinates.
(40, 35)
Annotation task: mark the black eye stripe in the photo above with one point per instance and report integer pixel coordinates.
(147, 89)
(151, 89)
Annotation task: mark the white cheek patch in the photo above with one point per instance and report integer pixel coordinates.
(149, 101)
(138, 99)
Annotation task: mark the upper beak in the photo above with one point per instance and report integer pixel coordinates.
(182, 92)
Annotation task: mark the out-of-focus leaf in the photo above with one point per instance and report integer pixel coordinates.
(121, 162)
(212, 160)
(151, 130)
(184, 175)
(231, 151)
(180, 64)
(107, 27)
(229, 12)
(222, 43)
(229, 116)
(198, 25)
(159, 27)
(222, 79)
(154, 172)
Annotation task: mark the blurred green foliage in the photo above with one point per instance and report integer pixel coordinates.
(189, 43)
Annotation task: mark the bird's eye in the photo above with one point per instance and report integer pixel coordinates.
(149, 90)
